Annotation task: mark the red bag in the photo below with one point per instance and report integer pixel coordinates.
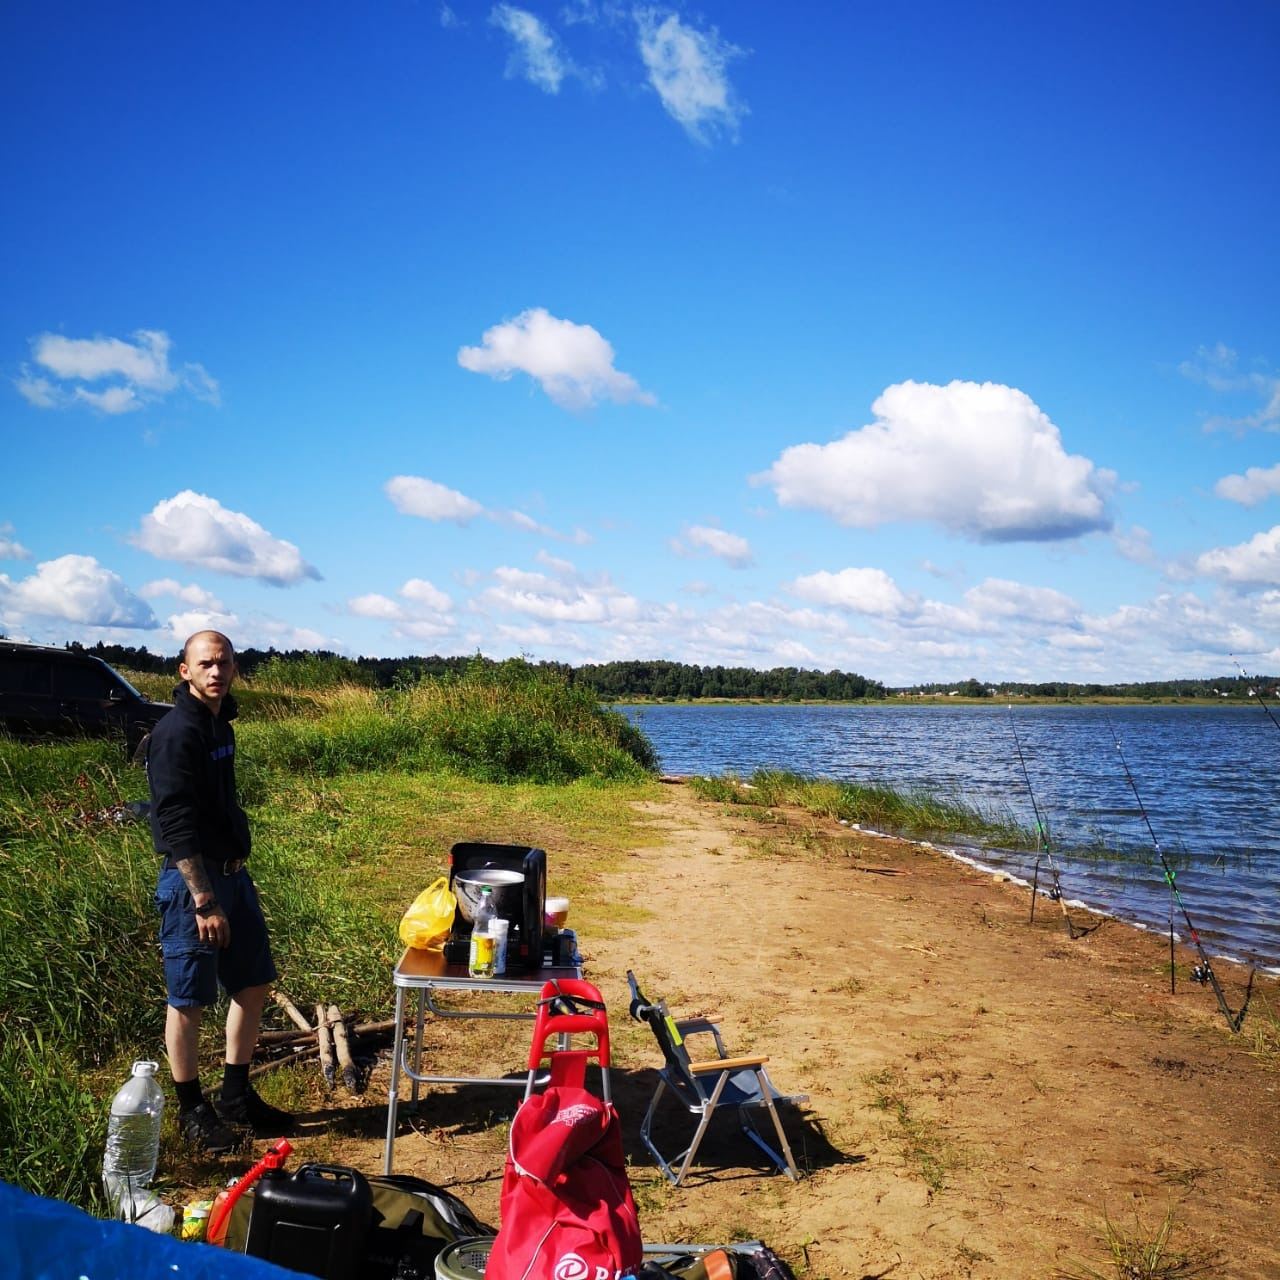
(566, 1210)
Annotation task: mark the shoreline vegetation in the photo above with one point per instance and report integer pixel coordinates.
(352, 792)
(663, 681)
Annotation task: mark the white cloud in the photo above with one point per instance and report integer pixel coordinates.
(214, 617)
(10, 548)
(870, 591)
(189, 594)
(537, 56)
(1000, 598)
(689, 70)
(1255, 486)
(1217, 368)
(733, 549)
(1135, 545)
(427, 596)
(430, 500)
(572, 362)
(982, 461)
(197, 530)
(134, 373)
(374, 605)
(564, 598)
(74, 589)
(425, 615)
(416, 496)
(1255, 563)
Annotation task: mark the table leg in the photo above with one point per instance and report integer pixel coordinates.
(393, 1092)
(417, 1044)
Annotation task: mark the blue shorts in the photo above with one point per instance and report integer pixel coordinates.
(193, 970)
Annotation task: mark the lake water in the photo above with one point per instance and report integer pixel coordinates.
(1206, 777)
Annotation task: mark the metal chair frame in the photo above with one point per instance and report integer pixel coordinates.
(701, 1087)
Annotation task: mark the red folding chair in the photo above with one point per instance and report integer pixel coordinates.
(569, 1008)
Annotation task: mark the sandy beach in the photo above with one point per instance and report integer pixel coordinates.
(983, 1092)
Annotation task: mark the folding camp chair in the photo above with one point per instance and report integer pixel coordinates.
(569, 1007)
(701, 1087)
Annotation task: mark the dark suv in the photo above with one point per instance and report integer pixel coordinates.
(51, 692)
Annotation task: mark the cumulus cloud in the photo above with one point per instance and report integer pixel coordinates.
(423, 611)
(983, 461)
(733, 549)
(1255, 563)
(417, 496)
(870, 591)
(688, 69)
(191, 594)
(1255, 486)
(108, 374)
(561, 597)
(572, 362)
(430, 500)
(197, 530)
(11, 548)
(536, 54)
(1001, 598)
(73, 589)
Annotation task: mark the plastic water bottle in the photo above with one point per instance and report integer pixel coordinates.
(133, 1149)
(483, 943)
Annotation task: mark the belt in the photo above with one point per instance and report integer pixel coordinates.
(227, 867)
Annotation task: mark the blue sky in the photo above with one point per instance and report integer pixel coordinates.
(924, 341)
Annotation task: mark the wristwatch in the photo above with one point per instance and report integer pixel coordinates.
(208, 909)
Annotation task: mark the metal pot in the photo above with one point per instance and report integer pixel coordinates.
(507, 892)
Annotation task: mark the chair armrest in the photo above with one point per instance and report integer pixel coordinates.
(726, 1064)
(700, 1026)
(690, 1026)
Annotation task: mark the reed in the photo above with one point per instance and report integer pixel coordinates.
(915, 813)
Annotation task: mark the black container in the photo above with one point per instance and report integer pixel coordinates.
(524, 924)
(315, 1221)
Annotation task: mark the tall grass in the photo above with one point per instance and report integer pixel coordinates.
(915, 813)
(506, 723)
(81, 987)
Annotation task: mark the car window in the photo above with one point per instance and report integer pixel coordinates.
(21, 675)
(74, 681)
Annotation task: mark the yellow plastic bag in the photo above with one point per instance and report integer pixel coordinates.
(427, 923)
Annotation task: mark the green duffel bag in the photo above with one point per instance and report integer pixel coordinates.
(412, 1221)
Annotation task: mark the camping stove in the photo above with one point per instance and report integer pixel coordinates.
(524, 921)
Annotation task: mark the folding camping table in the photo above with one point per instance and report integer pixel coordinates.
(428, 974)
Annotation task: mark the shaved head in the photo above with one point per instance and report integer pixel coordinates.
(216, 636)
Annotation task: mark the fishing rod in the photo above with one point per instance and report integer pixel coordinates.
(1042, 834)
(1256, 693)
(1203, 972)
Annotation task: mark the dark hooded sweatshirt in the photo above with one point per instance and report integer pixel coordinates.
(191, 769)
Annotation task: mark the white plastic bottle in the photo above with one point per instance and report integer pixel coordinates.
(133, 1149)
(483, 942)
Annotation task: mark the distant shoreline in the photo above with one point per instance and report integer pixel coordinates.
(936, 699)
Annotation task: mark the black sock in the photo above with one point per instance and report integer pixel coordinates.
(190, 1095)
(235, 1080)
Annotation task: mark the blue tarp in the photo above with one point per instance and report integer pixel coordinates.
(42, 1239)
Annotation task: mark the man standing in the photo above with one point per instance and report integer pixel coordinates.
(211, 927)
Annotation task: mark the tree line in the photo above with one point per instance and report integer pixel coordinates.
(680, 681)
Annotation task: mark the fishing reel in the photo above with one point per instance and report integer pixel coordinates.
(1201, 973)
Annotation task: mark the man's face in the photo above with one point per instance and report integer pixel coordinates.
(209, 670)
